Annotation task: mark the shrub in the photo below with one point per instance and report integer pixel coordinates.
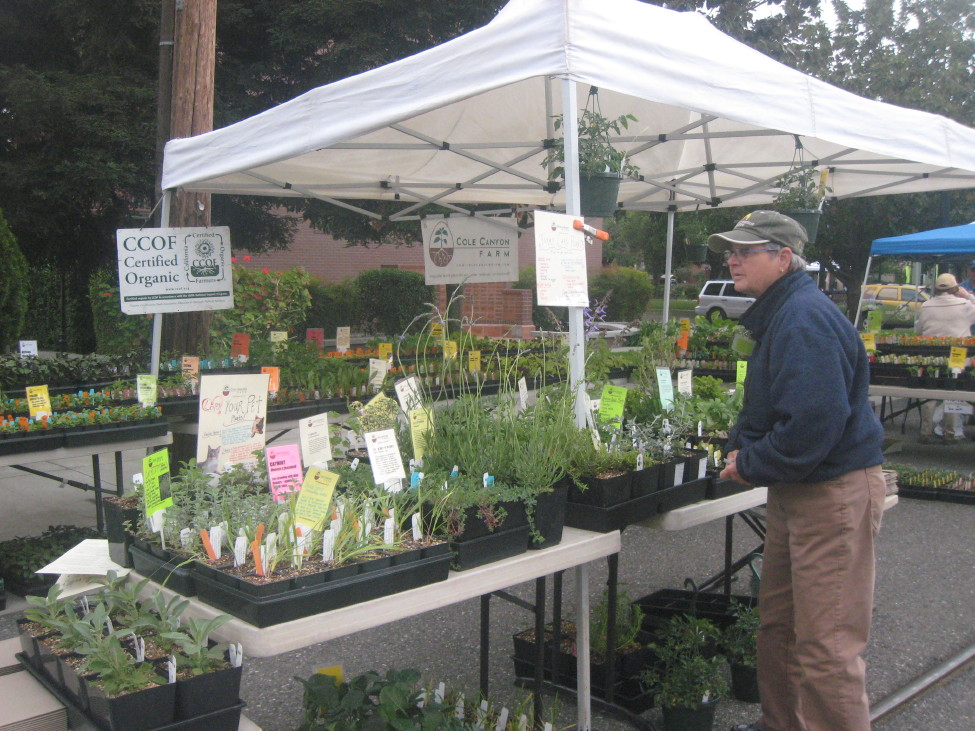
(388, 299)
(115, 332)
(545, 318)
(263, 301)
(332, 306)
(13, 286)
(628, 289)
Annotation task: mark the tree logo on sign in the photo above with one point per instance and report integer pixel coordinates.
(441, 245)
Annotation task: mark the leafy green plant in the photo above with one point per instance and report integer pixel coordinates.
(196, 654)
(799, 189)
(117, 670)
(21, 557)
(686, 675)
(48, 610)
(596, 151)
(13, 286)
(116, 332)
(629, 619)
(738, 641)
(387, 300)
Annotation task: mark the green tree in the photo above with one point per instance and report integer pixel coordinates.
(13, 286)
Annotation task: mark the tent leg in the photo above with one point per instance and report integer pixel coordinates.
(668, 266)
(167, 203)
(866, 274)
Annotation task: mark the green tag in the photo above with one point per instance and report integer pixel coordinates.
(611, 404)
(742, 344)
(741, 372)
(875, 319)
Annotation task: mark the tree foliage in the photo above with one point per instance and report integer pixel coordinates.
(13, 286)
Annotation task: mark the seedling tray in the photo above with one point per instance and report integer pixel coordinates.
(616, 517)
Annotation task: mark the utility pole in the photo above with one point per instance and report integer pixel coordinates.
(192, 114)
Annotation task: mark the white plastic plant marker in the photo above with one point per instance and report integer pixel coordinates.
(186, 539)
(639, 460)
(459, 708)
(438, 695)
(502, 720)
(415, 524)
(270, 550)
(328, 544)
(389, 530)
(240, 550)
(216, 540)
(171, 669)
(355, 464)
(236, 651)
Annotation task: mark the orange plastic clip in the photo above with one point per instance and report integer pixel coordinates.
(590, 230)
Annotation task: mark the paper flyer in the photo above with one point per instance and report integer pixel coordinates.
(384, 456)
(145, 388)
(233, 410)
(28, 348)
(155, 481)
(38, 401)
(191, 368)
(283, 470)
(685, 382)
(343, 338)
(240, 345)
(79, 566)
(274, 378)
(611, 403)
(316, 445)
(311, 507)
(420, 422)
(560, 261)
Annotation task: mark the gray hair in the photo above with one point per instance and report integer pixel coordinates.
(796, 263)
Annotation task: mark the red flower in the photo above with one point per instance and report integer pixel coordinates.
(265, 270)
(233, 259)
(108, 294)
(247, 257)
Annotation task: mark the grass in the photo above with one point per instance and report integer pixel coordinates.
(656, 305)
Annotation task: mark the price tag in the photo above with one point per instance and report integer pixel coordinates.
(450, 350)
(869, 341)
(474, 361)
(685, 382)
(957, 358)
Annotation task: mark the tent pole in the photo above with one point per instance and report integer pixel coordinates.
(669, 261)
(866, 274)
(167, 203)
(577, 347)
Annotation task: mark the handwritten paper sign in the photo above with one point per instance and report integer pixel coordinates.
(156, 482)
(611, 403)
(384, 456)
(316, 445)
(145, 388)
(311, 507)
(560, 261)
(233, 410)
(283, 470)
(38, 401)
(343, 338)
(240, 346)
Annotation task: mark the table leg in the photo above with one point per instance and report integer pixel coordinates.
(612, 585)
(582, 649)
(119, 478)
(729, 532)
(96, 471)
(485, 641)
(539, 648)
(556, 625)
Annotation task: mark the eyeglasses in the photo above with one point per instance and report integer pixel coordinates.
(742, 254)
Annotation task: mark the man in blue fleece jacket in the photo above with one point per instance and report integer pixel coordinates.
(807, 431)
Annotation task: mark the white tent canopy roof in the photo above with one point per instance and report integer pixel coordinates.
(465, 122)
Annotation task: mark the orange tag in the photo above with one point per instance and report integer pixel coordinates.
(256, 550)
(260, 533)
(205, 537)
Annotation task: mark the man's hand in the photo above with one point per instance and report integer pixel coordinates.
(730, 472)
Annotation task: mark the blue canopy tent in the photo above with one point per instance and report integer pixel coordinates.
(938, 243)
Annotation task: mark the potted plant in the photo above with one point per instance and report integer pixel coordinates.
(800, 196)
(696, 232)
(206, 679)
(738, 643)
(601, 166)
(686, 682)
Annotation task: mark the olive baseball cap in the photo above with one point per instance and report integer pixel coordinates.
(762, 227)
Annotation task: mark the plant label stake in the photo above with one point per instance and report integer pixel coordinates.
(216, 540)
(439, 693)
(236, 652)
(639, 460)
(139, 648)
(389, 531)
(270, 548)
(502, 720)
(208, 547)
(328, 544)
(171, 669)
(459, 708)
(354, 465)
(186, 539)
(415, 524)
(240, 550)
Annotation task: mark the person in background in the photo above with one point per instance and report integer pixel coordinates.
(808, 432)
(950, 313)
(969, 284)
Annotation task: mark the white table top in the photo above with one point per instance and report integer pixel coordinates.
(921, 393)
(577, 547)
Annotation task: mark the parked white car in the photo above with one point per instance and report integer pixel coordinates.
(718, 298)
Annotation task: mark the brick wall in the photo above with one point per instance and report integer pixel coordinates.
(498, 309)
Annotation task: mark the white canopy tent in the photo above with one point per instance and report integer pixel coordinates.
(467, 122)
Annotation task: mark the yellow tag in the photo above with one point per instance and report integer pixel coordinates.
(450, 350)
(474, 361)
(38, 401)
(385, 350)
(420, 422)
(436, 329)
(957, 357)
(685, 324)
(311, 508)
(334, 670)
(741, 372)
(869, 341)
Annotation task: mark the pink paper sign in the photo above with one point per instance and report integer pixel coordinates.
(284, 470)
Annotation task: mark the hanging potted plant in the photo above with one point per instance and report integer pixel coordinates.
(601, 166)
(800, 197)
(696, 232)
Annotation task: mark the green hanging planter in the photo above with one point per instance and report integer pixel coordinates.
(696, 253)
(808, 218)
(598, 193)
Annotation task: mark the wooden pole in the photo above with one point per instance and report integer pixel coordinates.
(192, 114)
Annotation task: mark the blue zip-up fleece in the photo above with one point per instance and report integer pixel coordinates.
(806, 415)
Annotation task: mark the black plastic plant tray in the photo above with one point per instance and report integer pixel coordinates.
(492, 547)
(718, 488)
(111, 433)
(683, 494)
(298, 603)
(918, 493)
(180, 579)
(963, 497)
(616, 517)
(303, 409)
(666, 603)
(224, 719)
(40, 442)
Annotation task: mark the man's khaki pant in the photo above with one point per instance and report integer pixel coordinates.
(815, 601)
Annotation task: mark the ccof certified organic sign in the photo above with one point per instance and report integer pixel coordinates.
(174, 269)
(469, 249)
